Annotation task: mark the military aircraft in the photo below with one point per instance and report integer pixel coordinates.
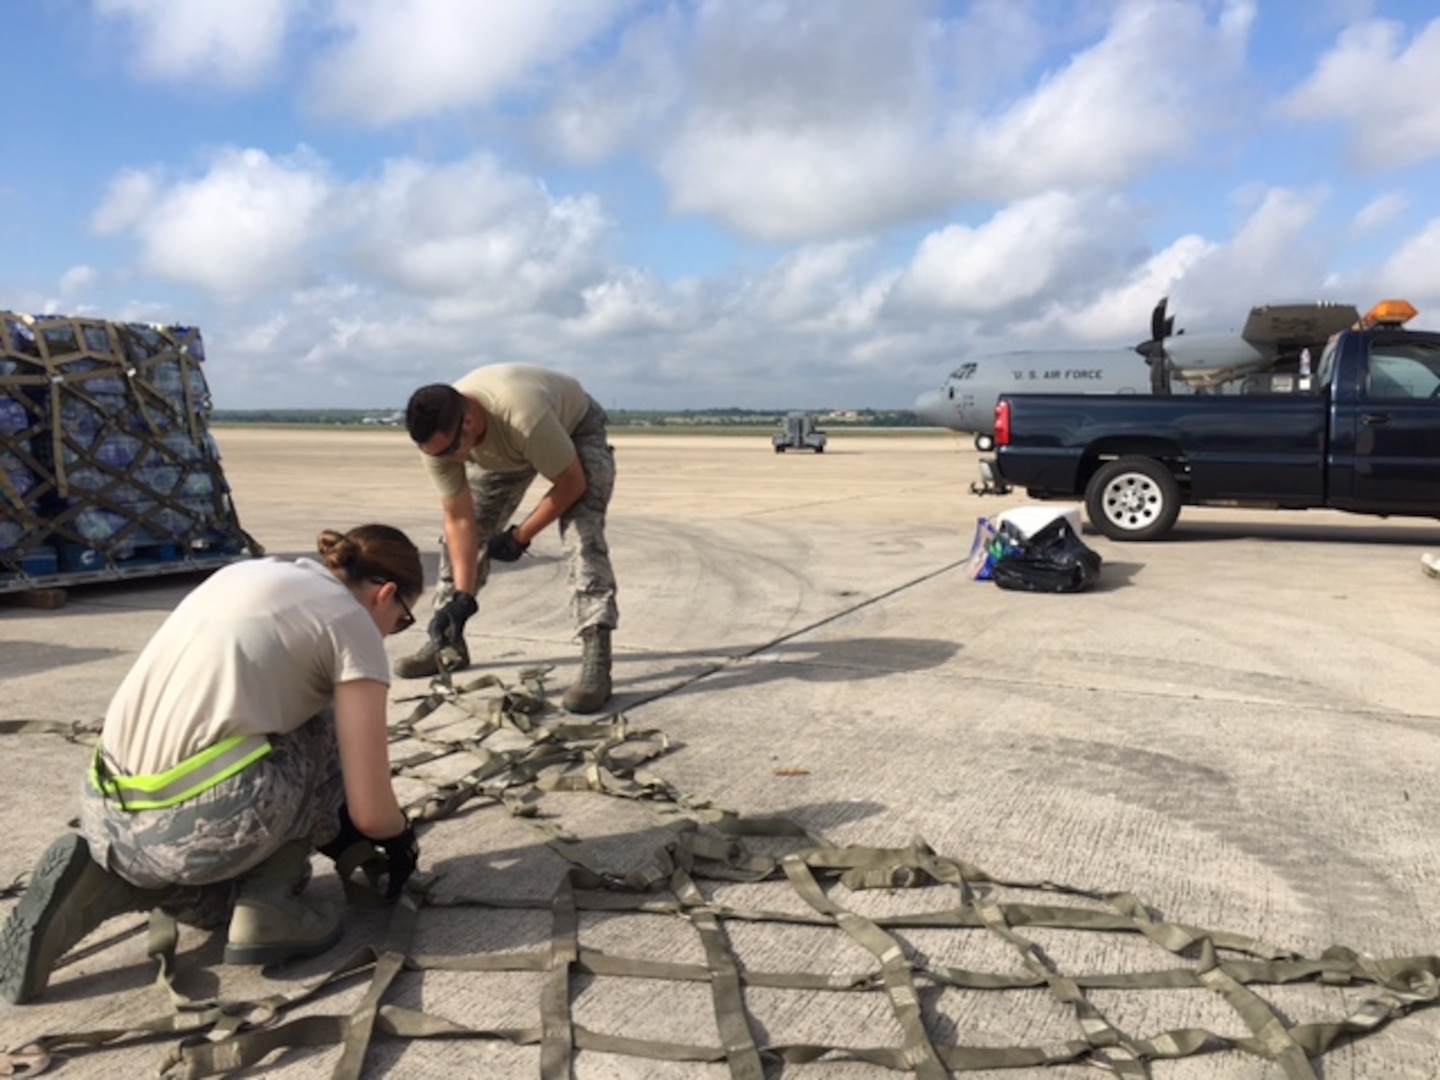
(1275, 338)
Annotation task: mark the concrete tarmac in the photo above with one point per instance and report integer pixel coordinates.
(1237, 726)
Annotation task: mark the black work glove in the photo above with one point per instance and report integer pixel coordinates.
(402, 853)
(505, 546)
(447, 626)
(349, 835)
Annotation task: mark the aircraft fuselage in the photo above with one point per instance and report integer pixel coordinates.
(1171, 361)
(966, 399)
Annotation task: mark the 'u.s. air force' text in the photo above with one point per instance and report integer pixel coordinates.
(1068, 374)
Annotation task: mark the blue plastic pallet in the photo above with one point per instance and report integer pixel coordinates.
(120, 570)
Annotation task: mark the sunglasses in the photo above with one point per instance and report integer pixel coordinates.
(408, 619)
(454, 445)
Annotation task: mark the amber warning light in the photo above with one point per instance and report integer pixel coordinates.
(1388, 313)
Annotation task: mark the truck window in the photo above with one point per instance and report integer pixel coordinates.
(1403, 372)
(1326, 371)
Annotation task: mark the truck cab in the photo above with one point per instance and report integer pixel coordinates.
(1384, 431)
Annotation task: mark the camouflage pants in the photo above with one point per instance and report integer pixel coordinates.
(292, 793)
(582, 528)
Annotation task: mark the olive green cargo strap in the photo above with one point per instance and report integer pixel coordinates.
(195, 774)
(706, 843)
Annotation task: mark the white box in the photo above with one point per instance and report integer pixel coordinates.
(1031, 519)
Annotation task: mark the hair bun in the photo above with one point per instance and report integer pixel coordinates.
(337, 549)
(373, 553)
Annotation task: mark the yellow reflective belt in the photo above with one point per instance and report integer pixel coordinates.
(195, 774)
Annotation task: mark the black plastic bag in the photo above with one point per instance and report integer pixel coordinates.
(1054, 560)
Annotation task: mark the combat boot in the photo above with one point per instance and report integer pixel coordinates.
(69, 895)
(272, 923)
(592, 690)
(426, 662)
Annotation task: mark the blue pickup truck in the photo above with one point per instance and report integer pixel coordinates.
(1362, 435)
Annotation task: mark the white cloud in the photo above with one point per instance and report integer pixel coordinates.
(806, 285)
(262, 336)
(475, 239)
(790, 63)
(1116, 109)
(335, 345)
(806, 122)
(1381, 89)
(470, 238)
(1409, 273)
(627, 103)
(1030, 249)
(793, 185)
(1026, 253)
(232, 44)
(1379, 212)
(249, 223)
(629, 305)
(127, 198)
(1121, 313)
(402, 59)
(991, 48)
(1237, 18)
(75, 281)
(1272, 257)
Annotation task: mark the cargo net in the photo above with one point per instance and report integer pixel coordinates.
(923, 947)
(105, 454)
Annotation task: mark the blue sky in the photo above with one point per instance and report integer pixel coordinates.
(757, 203)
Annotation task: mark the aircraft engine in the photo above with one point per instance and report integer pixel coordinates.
(1161, 327)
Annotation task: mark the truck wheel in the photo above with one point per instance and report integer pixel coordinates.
(1134, 498)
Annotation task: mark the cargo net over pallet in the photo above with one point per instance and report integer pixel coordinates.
(107, 466)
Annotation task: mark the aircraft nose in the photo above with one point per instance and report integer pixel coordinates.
(932, 407)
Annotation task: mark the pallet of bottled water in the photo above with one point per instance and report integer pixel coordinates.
(107, 465)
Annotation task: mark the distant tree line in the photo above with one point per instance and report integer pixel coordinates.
(640, 418)
(759, 417)
(311, 417)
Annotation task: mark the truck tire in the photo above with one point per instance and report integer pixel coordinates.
(1134, 498)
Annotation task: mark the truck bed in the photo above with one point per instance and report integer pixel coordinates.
(1260, 447)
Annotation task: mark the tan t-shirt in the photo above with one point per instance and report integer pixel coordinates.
(530, 413)
(256, 649)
